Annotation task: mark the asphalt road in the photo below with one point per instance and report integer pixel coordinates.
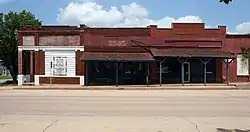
(124, 110)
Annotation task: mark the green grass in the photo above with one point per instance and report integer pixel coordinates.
(5, 77)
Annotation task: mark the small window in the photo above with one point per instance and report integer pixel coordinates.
(242, 66)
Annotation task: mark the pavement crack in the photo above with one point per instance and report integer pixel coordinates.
(44, 130)
(196, 126)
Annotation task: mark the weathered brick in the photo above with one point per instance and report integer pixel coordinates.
(28, 41)
(59, 40)
(79, 64)
(59, 80)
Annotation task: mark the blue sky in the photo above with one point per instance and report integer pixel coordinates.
(211, 12)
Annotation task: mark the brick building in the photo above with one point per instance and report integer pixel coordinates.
(184, 53)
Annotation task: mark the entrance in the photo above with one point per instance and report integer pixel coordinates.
(187, 72)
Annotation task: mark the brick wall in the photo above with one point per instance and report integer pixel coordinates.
(233, 43)
(73, 36)
(59, 80)
(55, 40)
(79, 64)
(40, 62)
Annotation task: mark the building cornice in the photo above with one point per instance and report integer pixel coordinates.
(49, 48)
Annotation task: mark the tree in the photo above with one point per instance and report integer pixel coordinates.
(9, 25)
(245, 52)
(226, 1)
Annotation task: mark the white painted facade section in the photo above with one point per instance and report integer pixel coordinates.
(82, 80)
(54, 51)
(70, 62)
(20, 80)
(242, 66)
(37, 80)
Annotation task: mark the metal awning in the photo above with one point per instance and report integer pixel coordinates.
(105, 56)
(191, 52)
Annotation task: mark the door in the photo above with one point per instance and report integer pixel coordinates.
(187, 72)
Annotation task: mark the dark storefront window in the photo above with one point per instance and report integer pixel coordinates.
(101, 72)
(193, 71)
(104, 72)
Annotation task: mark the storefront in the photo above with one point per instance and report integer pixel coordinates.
(184, 53)
(117, 68)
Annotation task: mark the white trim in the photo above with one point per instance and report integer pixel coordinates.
(44, 48)
(37, 80)
(82, 80)
(20, 80)
(56, 76)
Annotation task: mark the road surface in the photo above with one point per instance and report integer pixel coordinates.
(123, 111)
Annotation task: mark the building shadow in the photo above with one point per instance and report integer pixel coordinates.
(231, 130)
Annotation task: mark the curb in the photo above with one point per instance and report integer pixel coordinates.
(128, 88)
(1, 89)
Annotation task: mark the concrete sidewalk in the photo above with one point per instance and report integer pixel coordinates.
(127, 87)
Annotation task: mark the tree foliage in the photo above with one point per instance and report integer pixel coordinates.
(9, 24)
(226, 1)
(245, 52)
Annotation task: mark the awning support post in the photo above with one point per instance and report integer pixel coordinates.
(227, 62)
(182, 61)
(147, 78)
(205, 62)
(117, 74)
(161, 70)
(86, 72)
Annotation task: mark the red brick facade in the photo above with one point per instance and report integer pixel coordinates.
(59, 80)
(39, 62)
(118, 40)
(234, 43)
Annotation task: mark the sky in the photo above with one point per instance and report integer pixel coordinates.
(136, 13)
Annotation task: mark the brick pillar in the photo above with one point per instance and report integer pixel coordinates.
(153, 70)
(31, 66)
(233, 71)
(80, 66)
(20, 67)
(219, 71)
(36, 39)
(41, 62)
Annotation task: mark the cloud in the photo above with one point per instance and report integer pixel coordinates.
(243, 28)
(132, 15)
(5, 1)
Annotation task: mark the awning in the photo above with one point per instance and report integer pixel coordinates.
(191, 52)
(117, 56)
